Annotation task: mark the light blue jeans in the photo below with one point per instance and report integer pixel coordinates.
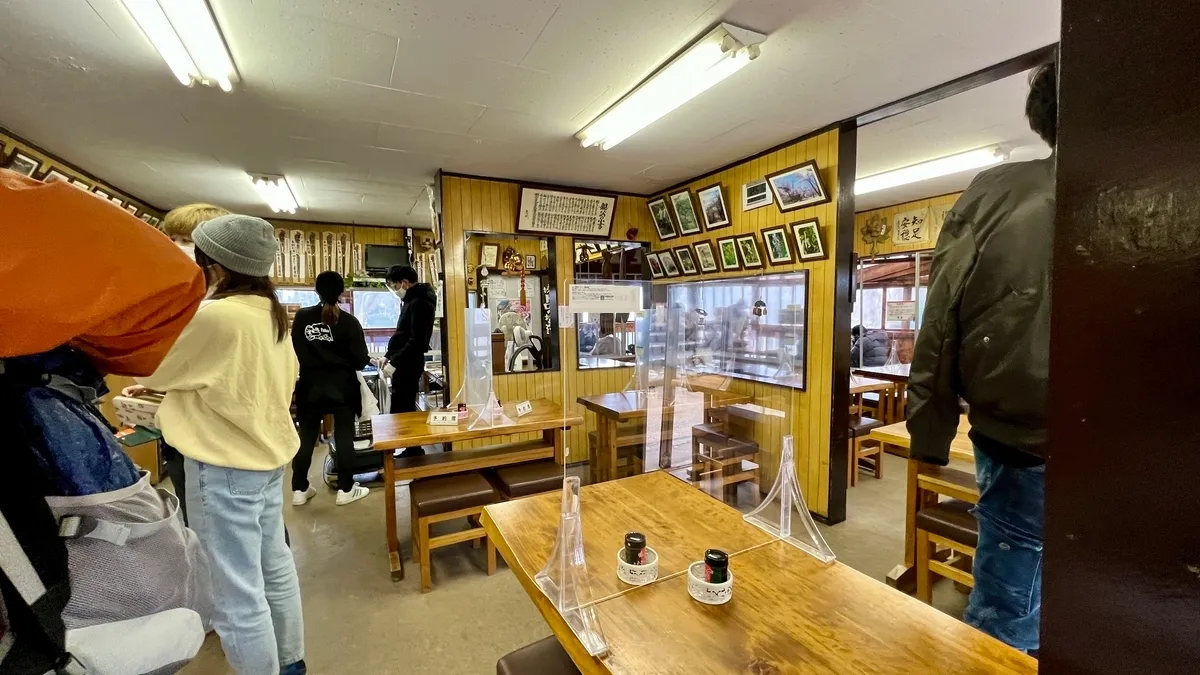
(238, 516)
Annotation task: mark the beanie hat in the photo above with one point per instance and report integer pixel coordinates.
(243, 244)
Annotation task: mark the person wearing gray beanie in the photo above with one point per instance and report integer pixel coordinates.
(242, 244)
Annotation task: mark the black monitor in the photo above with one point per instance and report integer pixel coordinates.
(379, 258)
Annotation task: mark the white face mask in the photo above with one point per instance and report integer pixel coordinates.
(188, 249)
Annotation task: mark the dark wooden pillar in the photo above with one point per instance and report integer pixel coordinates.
(1121, 591)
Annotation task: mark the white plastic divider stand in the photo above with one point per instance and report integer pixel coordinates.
(478, 393)
(774, 515)
(564, 578)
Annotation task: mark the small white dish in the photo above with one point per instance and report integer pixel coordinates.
(705, 592)
(638, 575)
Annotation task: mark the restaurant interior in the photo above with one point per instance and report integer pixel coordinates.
(663, 403)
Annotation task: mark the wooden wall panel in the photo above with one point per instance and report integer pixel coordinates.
(884, 247)
(808, 412)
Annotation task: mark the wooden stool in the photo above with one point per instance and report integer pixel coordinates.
(862, 447)
(718, 456)
(949, 524)
(629, 450)
(434, 500)
(544, 657)
(521, 480)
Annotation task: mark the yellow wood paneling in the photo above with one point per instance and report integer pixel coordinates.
(808, 412)
(862, 248)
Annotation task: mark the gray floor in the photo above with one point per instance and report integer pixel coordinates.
(358, 621)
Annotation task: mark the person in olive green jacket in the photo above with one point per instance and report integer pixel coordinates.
(985, 337)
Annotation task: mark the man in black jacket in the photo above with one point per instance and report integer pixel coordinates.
(986, 339)
(406, 350)
(871, 348)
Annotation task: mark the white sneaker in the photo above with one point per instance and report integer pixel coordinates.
(301, 498)
(356, 493)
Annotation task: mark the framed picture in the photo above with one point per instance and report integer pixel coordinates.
(102, 194)
(81, 185)
(668, 263)
(489, 255)
(685, 212)
(118, 201)
(145, 218)
(23, 164)
(154, 221)
(53, 176)
(577, 213)
(755, 194)
(712, 207)
(807, 234)
(662, 218)
(748, 246)
(798, 187)
(705, 260)
(656, 270)
(727, 247)
(779, 249)
(531, 262)
(133, 209)
(687, 264)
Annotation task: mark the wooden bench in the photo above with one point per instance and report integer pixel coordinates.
(434, 500)
(460, 461)
(630, 442)
(719, 456)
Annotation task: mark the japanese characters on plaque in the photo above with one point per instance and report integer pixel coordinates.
(569, 213)
(911, 227)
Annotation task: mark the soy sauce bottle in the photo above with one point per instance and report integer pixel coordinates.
(635, 548)
(716, 566)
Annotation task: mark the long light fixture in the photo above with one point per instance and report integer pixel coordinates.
(934, 168)
(186, 35)
(275, 191)
(725, 50)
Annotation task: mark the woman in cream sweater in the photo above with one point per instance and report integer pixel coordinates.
(228, 383)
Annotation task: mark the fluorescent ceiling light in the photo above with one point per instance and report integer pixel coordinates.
(721, 53)
(943, 166)
(274, 190)
(186, 35)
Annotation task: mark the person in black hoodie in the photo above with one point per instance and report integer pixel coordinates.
(406, 350)
(330, 346)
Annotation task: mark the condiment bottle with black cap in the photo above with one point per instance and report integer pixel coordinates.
(635, 548)
(716, 566)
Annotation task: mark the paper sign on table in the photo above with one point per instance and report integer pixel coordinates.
(902, 310)
(443, 418)
(524, 408)
(605, 298)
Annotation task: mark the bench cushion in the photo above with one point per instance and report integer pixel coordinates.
(861, 425)
(520, 480)
(951, 519)
(432, 496)
(544, 657)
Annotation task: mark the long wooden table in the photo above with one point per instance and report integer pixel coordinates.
(392, 432)
(789, 613)
(896, 374)
(896, 440)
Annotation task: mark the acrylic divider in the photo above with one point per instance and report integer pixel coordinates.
(478, 393)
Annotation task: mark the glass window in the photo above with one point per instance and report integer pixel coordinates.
(868, 308)
(607, 340)
(376, 309)
(297, 296)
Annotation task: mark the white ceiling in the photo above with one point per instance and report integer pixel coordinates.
(991, 115)
(359, 102)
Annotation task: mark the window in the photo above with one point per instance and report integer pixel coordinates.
(297, 296)
(868, 308)
(376, 309)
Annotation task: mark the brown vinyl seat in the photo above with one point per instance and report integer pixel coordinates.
(433, 496)
(951, 525)
(951, 519)
(544, 657)
(521, 480)
(460, 495)
(860, 446)
(861, 425)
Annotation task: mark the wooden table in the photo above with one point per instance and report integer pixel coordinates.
(896, 440)
(789, 614)
(898, 376)
(392, 432)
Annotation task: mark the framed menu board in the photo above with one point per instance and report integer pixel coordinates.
(576, 214)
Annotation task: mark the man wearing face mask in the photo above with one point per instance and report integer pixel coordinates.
(406, 350)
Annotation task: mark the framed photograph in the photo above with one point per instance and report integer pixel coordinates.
(748, 246)
(53, 176)
(489, 255)
(118, 201)
(101, 194)
(154, 221)
(685, 212)
(798, 187)
(712, 207)
(662, 219)
(705, 259)
(755, 194)
(145, 218)
(531, 262)
(727, 247)
(81, 185)
(131, 209)
(687, 263)
(779, 249)
(670, 267)
(807, 234)
(656, 270)
(23, 164)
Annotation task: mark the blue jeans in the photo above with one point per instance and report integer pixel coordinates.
(1006, 602)
(238, 516)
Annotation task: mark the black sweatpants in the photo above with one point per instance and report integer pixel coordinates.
(406, 386)
(343, 437)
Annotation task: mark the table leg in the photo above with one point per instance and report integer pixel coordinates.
(904, 577)
(608, 447)
(556, 437)
(898, 412)
(395, 562)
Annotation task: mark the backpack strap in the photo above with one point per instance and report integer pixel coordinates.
(116, 533)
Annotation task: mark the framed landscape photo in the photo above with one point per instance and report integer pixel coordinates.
(133, 210)
(82, 185)
(779, 249)
(662, 219)
(705, 259)
(798, 187)
(23, 164)
(687, 264)
(54, 176)
(670, 268)
(712, 207)
(748, 246)
(808, 239)
(755, 194)
(685, 212)
(727, 247)
(656, 270)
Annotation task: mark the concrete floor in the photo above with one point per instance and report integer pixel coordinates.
(358, 621)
